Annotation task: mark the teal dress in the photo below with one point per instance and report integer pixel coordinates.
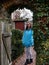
(27, 38)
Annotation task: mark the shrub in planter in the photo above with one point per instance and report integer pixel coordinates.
(17, 47)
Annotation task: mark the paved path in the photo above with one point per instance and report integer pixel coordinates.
(22, 58)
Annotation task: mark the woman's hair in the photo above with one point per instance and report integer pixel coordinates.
(27, 25)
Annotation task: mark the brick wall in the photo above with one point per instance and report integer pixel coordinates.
(19, 25)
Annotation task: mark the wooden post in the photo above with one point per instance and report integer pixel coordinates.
(4, 56)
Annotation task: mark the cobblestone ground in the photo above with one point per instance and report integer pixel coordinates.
(22, 58)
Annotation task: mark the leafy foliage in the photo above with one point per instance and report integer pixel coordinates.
(41, 33)
(17, 47)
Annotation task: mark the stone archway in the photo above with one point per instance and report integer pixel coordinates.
(9, 5)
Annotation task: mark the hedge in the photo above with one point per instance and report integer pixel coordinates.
(17, 47)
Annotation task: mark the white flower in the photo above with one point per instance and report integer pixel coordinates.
(24, 14)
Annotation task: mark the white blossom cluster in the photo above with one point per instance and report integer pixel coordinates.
(22, 13)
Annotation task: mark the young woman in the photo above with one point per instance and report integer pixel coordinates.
(28, 42)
